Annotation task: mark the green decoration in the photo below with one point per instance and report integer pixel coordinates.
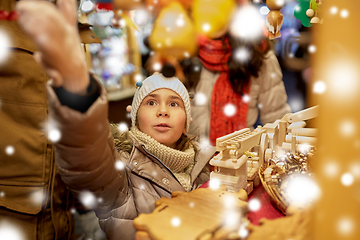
(300, 12)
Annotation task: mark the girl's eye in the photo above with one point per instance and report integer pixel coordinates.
(151, 103)
(174, 104)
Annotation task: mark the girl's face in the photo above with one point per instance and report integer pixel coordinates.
(162, 116)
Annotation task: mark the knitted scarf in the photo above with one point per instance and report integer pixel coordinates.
(214, 56)
(179, 162)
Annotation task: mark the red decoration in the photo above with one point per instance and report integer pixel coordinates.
(12, 16)
(104, 6)
(3, 15)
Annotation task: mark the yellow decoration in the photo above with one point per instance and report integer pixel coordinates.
(127, 19)
(173, 33)
(212, 17)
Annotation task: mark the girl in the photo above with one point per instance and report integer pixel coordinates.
(157, 158)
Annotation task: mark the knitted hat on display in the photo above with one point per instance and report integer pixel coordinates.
(155, 82)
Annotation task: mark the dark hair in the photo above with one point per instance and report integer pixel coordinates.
(183, 143)
(240, 72)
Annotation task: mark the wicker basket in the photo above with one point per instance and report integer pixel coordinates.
(275, 197)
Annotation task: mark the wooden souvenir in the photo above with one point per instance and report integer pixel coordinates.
(200, 214)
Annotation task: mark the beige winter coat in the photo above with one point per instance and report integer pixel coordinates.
(86, 157)
(267, 96)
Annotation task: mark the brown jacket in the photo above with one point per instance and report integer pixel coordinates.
(86, 156)
(30, 173)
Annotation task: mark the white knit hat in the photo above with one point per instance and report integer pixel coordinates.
(158, 81)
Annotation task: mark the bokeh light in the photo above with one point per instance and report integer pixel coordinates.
(264, 10)
(4, 46)
(37, 197)
(301, 190)
(141, 17)
(331, 169)
(87, 6)
(345, 226)
(247, 23)
(242, 54)
(333, 10)
(119, 165)
(88, 199)
(232, 219)
(243, 231)
(254, 204)
(342, 80)
(9, 150)
(347, 128)
(344, 13)
(123, 127)
(206, 27)
(157, 66)
(347, 179)
(2, 194)
(214, 184)
(229, 110)
(312, 48)
(175, 221)
(200, 99)
(246, 98)
(319, 87)
(10, 231)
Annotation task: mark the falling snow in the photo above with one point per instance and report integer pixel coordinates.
(200, 99)
(333, 10)
(319, 87)
(331, 169)
(229, 110)
(87, 6)
(11, 231)
(345, 226)
(242, 54)
(247, 23)
(301, 190)
(123, 127)
(119, 165)
(347, 128)
(344, 13)
(175, 221)
(4, 46)
(206, 27)
(141, 17)
(157, 66)
(88, 199)
(214, 183)
(254, 204)
(9, 150)
(347, 179)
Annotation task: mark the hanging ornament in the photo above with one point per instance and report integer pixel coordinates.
(213, 17)
(173, 33)
(308, 12)
(12, 16)
(274, 19)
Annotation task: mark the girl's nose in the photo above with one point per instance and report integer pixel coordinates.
(163, 112)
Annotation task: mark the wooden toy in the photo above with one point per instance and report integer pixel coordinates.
(243, 152)
(274, 19)
(204, 213)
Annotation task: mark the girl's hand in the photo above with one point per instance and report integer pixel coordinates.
(53, 28)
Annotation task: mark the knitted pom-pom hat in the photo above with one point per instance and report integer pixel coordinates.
(155, 82)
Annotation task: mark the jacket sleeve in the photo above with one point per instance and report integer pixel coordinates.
(85, 153)
(272, 99)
